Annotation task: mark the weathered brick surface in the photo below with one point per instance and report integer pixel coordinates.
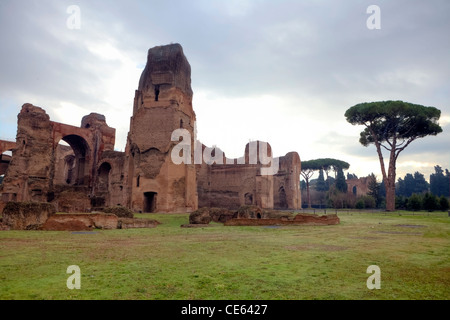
(300, 219)
(26, 215)
(77, 222)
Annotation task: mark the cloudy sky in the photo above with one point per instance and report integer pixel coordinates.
(283, 72)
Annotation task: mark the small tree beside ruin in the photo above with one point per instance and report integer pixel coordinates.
(324, 164)
(308, 168)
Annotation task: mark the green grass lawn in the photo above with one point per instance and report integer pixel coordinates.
(218, 262)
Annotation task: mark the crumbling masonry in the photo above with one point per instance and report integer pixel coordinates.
(86, 173)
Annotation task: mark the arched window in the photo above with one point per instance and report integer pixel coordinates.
(280, 200)
(103, 177)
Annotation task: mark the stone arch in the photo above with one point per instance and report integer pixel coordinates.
(5, 159)
(280, 200)
(6, 148)
(78, 165)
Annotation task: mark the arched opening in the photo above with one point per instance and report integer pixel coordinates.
(354, 190)
(71, 157)
(6, 148)
(103, 177)
(150, 201)
(280, 200)
(248, 199)
(5, 159)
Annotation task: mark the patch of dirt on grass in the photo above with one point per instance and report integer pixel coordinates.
(316, 246)
(399, 232)
(366, 238)
(410, 225)
(195, 225)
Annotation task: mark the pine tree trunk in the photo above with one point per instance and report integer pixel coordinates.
(307, 193)
(390, 188)
(389, 178)
(390, 198)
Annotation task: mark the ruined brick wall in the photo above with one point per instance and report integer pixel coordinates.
(111, 187)
(234, 185)
(286, 190)
(64, 165)
(89, 174)
(358, 187)
(227, 186)
(29, 172)
(43, 170)
(163, 103)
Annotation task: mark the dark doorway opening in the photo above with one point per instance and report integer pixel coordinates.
(150, 201)
(156, 92)
(281, 200)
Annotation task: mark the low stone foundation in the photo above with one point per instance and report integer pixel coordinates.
(26, 215)
(80, 222)
(255, 216)
(128, 223)
(85, 222)
(206, 215)
(299, 219)
(4, 227)
(41, 216)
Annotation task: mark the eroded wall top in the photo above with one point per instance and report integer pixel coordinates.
(166, 67)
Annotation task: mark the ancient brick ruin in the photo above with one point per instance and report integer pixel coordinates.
(86, 173)
(358, 186)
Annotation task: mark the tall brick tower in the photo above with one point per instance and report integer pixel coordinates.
(162, 103)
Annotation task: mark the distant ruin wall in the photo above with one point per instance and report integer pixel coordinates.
(234, 185)
(358, 187)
